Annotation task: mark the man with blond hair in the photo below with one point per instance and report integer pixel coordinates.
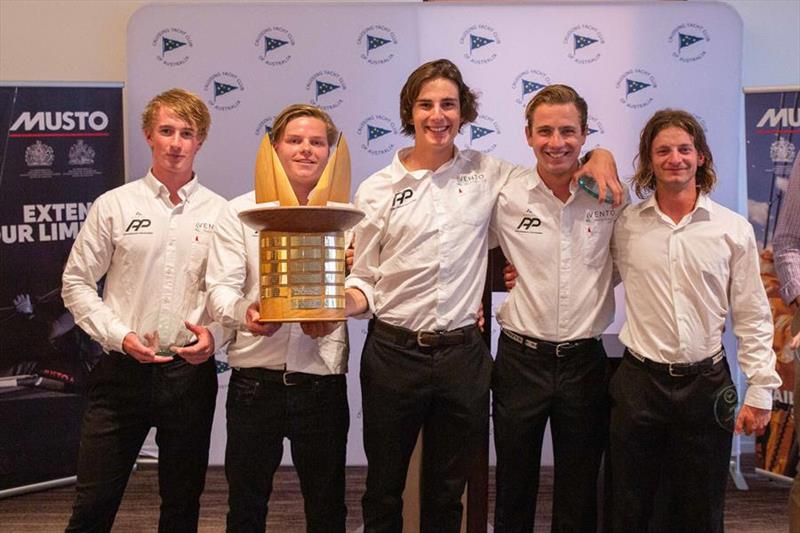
(284, 383)
(149, 239)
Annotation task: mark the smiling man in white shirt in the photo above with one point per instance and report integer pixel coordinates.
(284, 384)
(550, 363)
(149, 238)
(686, 263)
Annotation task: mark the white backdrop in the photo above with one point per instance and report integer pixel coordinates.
(628, 60)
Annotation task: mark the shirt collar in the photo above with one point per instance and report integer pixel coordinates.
(534, 180)
(158, 189)
(399, 171)
(703, 207)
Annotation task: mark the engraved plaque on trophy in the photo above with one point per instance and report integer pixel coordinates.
(301, 248)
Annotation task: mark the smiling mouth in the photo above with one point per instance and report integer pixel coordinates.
(438, 129)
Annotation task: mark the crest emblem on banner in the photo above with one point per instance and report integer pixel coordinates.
(481, 135)
(326, 88)
(584, 44)
(223, 90)
(274, 45)
(636, 88)
(172, 46)
(527, 83)
(480, 44)
(39, 155)
(689, 42)
(378, 134)
(377, 44)
(81, 153)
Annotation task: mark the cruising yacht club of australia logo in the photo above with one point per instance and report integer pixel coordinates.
(637, 86)
(173, 46)
(378, 44)
(224, 89)
(481, 135)
(584, 43)
(689, 42)
(378, 134)
(481, 43)
(327, 86)
(274, 45)
(527, 83)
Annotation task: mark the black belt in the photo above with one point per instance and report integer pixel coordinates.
(422, 338)
(284, 377)
(559, 349)
(676, 369)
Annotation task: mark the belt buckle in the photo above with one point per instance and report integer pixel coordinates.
(287, 383)
(677, 365)
(560, 345)
(419, 339)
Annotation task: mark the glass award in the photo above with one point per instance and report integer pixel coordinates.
(162, 330)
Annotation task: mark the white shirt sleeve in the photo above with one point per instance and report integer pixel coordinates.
(752, 324)
(88, 262)
(366, 261)
(226, 273)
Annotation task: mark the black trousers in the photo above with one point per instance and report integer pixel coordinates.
(315, 418)
(444, 391)
(529, 387)
(671, 442)
(126, 399)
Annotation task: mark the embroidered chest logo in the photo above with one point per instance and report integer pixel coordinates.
(529, 223)
(402, 198)
(138, 225)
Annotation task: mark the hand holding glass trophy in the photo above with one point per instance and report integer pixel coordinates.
(301, 247)
(162, 331)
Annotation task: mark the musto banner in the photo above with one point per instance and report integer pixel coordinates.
(61, 148)
(772, 118)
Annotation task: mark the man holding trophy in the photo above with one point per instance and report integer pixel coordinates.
(149, 239)
(284, 383)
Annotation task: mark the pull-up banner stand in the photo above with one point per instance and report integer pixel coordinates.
(61, 147)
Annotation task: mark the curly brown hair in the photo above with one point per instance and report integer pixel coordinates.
(644, 180)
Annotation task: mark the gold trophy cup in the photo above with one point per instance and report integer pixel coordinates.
(301, 247)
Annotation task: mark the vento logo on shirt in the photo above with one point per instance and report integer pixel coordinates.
(138, 226)
(465, 180)
(403, 198)
(529, 223)
(204, 227)
(601, 215)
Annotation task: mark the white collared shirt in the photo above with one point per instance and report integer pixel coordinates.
(233, 283)
(153, 255)
(564, 287)
(681, 280)
(420, 252)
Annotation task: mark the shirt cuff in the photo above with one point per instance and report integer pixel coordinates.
(116, 336)
(758, 397)
(368, 290)
(218, 333)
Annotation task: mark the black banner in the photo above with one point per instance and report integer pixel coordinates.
(62, 147)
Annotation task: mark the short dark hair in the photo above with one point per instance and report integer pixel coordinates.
(644, 180)
(441, 68)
